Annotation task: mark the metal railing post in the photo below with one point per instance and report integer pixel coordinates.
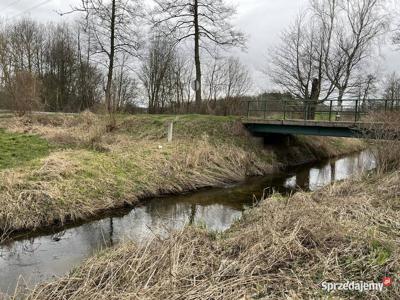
(248, 109)
(265, 108)
(330, 110)
(356, 112)
(284, 109)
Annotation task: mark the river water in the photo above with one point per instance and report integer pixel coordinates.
(36, 259)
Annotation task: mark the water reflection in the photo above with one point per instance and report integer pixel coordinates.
(41, 258)
(322, 175)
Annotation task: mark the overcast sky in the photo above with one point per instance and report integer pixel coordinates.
(261, 20)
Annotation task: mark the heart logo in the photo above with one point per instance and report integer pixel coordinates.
(387, 281)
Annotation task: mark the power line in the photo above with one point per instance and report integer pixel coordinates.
(31, 8)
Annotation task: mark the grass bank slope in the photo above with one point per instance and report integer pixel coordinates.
(18, 149)
(283, 249)
(89, 170)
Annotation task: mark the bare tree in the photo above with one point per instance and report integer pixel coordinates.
(214, 81)
(46, 61)
(25, 91)
(89, 76)
(366, 86)
(237, 82)
(326, 50)
(396, 29)
(155, 72)
(5, 61)
(125, 85)
(114, 27)
(60, 61)
(201, 20)
(25, 38)
(183, 74)
(166, 74)
(297, 62)
(351, 27)
(392, 89)
(17, 60)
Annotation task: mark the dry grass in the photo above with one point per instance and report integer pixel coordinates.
(84, 130)
(90, 171)
(79, 182)
(386, 145)
(282, 249)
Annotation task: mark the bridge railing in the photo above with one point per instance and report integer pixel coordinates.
(350, 110)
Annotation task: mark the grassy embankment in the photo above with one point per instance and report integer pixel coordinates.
(283, 249)
(66, 168)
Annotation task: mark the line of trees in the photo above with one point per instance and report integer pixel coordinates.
(167, 72)
(204, 21)
(112, 27)
(392, 89)
(104, 59)
(180, 65)
(49, 67)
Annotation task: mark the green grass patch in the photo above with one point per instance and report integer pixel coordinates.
(380, 252)
(218, 129)
(18, 149)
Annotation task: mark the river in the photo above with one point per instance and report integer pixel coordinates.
(32, 260)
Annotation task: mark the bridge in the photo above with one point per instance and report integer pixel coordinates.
(352, 118)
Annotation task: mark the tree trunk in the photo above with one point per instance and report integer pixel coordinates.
(109, 103)
(340, 98)
(197, 56)
(313, 102)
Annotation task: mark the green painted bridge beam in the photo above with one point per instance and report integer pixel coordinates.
(261, 129)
